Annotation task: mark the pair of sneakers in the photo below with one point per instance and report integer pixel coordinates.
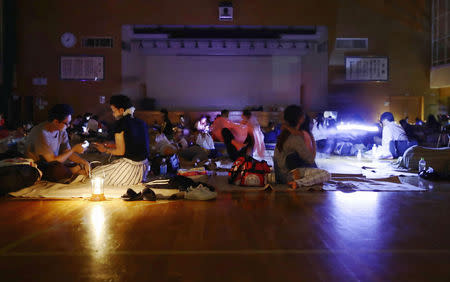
(200, 192)
(145, 195)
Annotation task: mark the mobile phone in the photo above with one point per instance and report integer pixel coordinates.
(85, 144)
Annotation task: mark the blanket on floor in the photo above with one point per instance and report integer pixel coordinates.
(346, 183)
(348, 174)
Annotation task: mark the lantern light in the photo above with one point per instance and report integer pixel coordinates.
(97, 189)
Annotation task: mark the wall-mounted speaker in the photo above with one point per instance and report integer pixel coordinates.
(225, 11)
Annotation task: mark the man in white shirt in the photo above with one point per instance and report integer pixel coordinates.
(391, 132)
(48, 145)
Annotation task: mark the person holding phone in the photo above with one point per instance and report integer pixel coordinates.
(48, 145)
(131, 144)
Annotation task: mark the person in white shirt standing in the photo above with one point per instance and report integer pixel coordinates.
(391, 132)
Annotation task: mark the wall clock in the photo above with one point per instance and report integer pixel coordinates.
(68, 39)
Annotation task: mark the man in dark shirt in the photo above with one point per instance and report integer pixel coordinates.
(167, 126)
(131, 143)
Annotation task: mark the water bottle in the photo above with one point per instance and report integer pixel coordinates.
(359, 155)
(374, 151)
(422, 164)
(163, 168)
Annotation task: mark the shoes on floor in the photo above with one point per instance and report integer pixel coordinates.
(129, 194)
(138, 197)
(148, 195)
(201, 193)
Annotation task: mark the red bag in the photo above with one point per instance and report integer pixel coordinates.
(248, 172)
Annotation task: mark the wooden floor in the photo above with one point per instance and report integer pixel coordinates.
(283, 236)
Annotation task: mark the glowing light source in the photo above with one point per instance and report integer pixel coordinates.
(97, 189)
(362, 127)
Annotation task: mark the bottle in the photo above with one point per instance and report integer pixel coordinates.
(422, 164)
(374, 151)
(359, 155)
(163, 168)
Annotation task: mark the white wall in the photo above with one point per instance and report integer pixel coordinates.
(315, 81)
(216, 82)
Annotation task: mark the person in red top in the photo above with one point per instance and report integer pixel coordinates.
(235, 136)
(3, 131)
(2, 120)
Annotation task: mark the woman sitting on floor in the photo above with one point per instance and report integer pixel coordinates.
(291, 152)
(131, 142)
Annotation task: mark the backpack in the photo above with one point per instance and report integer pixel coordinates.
(248, 172)
(344, 149)
(16, 177)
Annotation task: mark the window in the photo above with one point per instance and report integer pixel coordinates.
(440, 32)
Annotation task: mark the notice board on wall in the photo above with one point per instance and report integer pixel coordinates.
(367, 68)
(82, 68)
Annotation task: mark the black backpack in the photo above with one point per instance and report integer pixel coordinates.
(16, 177)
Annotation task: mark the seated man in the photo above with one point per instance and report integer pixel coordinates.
(48, 145)
(394, 141)
(131, 144)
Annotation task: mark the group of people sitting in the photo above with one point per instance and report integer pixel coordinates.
(49, 146)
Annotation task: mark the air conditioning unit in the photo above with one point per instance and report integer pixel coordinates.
(97, 42)
(348, 44)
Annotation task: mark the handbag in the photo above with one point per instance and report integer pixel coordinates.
(248, 172)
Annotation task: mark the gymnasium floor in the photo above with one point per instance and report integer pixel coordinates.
(240, 236)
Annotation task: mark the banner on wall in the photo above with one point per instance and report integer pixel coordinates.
(366, 68)
(82, 68)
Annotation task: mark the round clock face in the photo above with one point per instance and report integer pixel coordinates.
(68, 39)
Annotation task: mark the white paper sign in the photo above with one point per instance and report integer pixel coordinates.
(366, 68)
(82, 67)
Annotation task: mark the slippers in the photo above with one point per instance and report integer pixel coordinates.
(129, 194)
(148, 195)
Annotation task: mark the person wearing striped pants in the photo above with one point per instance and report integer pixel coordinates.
(131, 143)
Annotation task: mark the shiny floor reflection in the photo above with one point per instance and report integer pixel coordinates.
(278, 236)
